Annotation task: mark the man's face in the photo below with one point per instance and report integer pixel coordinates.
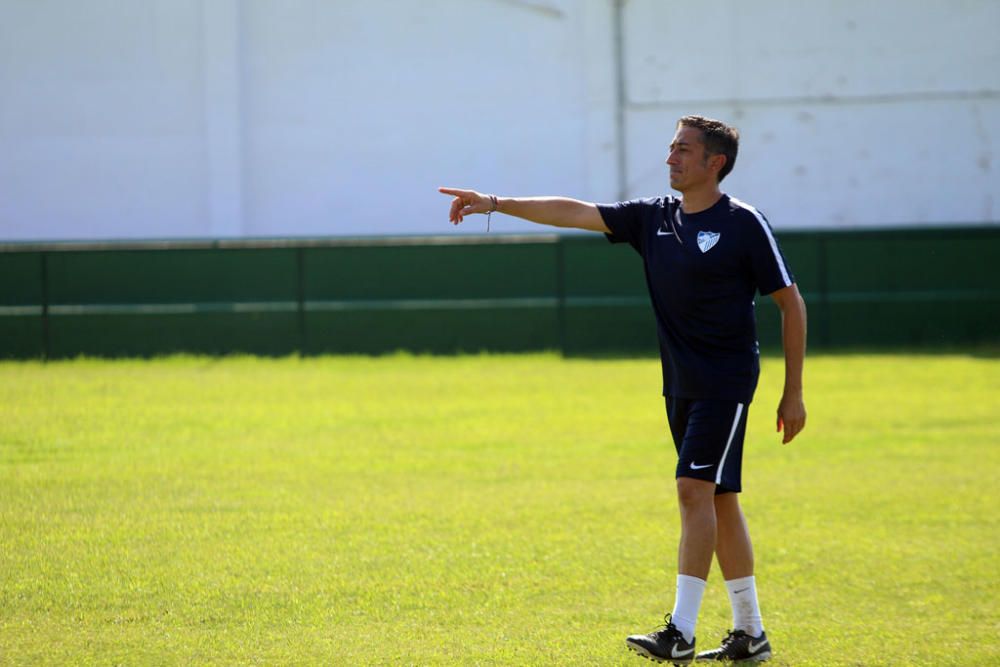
(688, 162)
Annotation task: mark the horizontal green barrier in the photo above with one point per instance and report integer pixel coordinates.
(457, 304)
(576, 293)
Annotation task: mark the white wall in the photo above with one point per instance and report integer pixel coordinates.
(357, 112)
(852, 113)
(101, 130)
(232, 118)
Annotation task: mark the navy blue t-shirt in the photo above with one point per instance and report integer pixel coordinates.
(703, 270)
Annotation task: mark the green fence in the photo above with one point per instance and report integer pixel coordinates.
(574, 293)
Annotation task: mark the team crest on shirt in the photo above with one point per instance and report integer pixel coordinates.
(707, 240)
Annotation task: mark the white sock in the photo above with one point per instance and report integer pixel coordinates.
(746, 610)
(686, 604)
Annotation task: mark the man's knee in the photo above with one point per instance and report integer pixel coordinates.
(692, 493)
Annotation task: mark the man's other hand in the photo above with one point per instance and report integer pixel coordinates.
(791, 416)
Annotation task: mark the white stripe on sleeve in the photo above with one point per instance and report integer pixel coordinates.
(770, 238)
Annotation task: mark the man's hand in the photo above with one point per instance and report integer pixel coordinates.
(791, 416)
(466, 202)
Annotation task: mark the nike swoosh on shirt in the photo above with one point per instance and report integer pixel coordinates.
(695, 467)
(661, 232)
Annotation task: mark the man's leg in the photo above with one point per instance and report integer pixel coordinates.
(694, 559)
(734, 552)
(676, 641)
(703, 432)
(732, 545)
(696, 498)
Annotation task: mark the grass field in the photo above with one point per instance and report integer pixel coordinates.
(479, 510)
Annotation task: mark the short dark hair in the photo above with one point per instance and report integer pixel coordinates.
(718, 138)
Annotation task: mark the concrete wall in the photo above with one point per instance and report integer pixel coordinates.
(853, 113)
(229, 118)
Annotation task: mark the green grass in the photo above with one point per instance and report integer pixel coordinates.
(479, 510)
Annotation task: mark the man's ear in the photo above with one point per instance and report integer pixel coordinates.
(717, 162)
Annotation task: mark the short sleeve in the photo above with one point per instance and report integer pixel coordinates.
(770, 271)
(625, 220)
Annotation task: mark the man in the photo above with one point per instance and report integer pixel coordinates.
(705, 255)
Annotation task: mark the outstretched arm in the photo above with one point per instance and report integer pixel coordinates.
(554, 211)
(792, 408)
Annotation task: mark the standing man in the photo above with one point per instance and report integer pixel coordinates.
(705, 256)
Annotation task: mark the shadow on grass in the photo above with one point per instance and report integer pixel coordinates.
(978, 351)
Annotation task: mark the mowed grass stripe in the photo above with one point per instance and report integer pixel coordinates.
(510, 509)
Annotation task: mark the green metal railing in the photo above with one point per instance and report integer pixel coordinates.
(575, 293)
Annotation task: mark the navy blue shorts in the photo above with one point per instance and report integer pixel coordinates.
(708, 435)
